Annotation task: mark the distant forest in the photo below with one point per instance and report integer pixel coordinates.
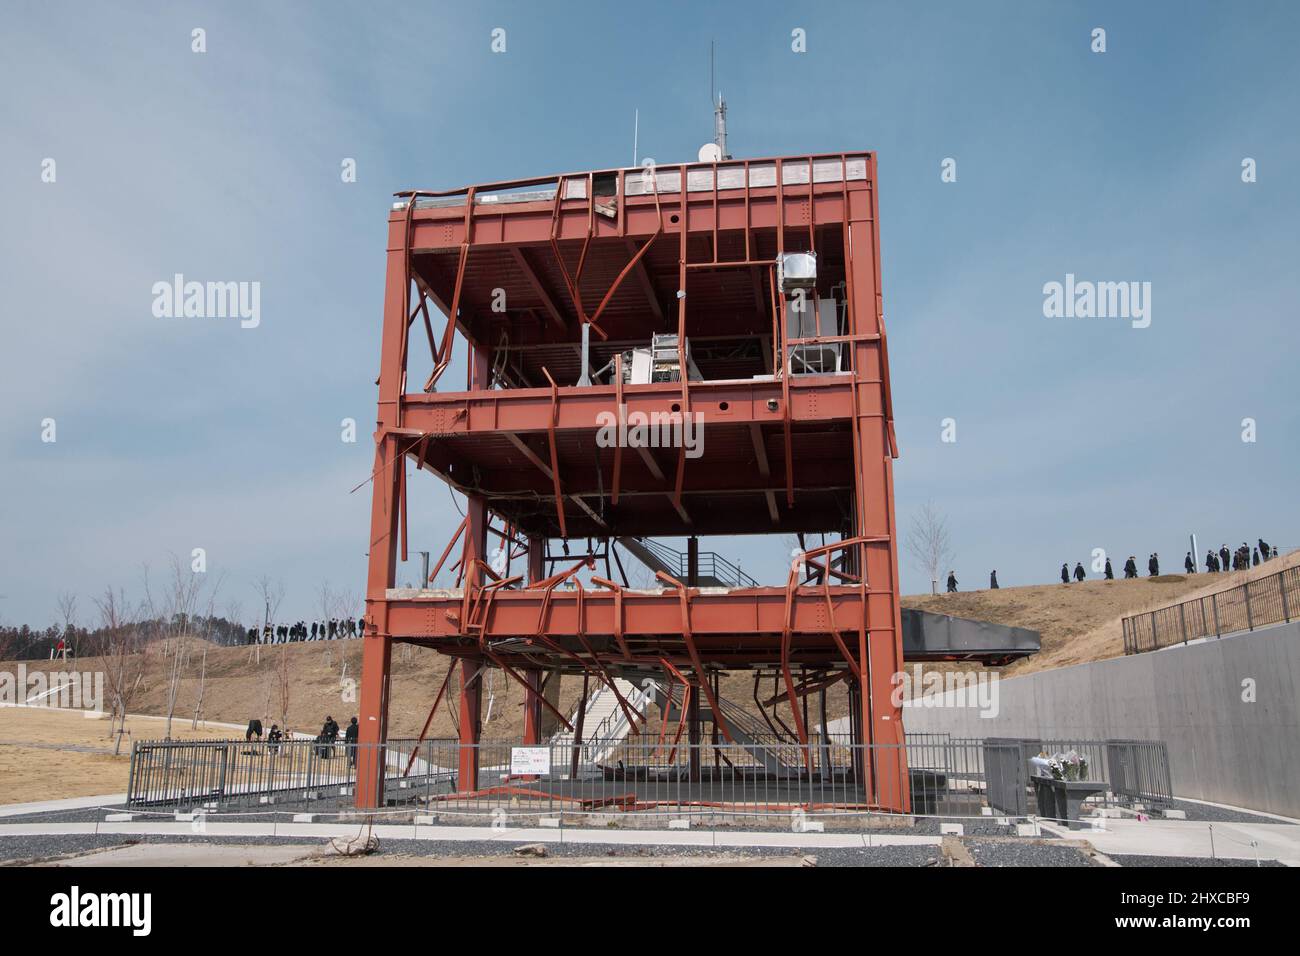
(25, 643)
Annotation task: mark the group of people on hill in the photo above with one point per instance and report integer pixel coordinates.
(335, 629)
(1239, 560)
(1131, 567)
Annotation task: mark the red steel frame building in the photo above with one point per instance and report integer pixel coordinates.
(522, 267)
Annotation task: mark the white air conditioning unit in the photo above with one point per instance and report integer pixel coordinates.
(796, 270)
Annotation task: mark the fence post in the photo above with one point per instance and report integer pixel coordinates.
(1281, 586)
(1155, 641)
(132, 788)
(1214, 602)
(1250, 624)
(1182, 619)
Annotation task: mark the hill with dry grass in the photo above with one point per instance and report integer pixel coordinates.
(1081, 622)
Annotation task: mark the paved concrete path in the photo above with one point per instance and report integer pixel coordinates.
(1191, 838)
(71, 803)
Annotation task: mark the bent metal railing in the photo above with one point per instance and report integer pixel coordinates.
(1274, 599)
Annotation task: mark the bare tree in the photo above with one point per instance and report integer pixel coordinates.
(122, 657)
(233, 614)
(929, 544)
(348, 606)
(283, 684)
(271, 594)
(266, 705)
(184, 597)
(203, 680)
(67, 602)
(329, 604)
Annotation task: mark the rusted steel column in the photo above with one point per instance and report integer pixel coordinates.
(532, 704)
(693, 729)
(532, 707)
(536, 558)
(471, 725)
(693, 707)
(376, 655)
(577, 726)
(376, 659)
(882, 656)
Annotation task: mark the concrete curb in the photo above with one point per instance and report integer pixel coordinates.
(453, 834)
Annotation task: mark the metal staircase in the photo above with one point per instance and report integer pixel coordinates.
(777, 757)
(715, 571)
(605, 725)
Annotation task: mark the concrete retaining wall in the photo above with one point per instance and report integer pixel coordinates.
(1221, 747)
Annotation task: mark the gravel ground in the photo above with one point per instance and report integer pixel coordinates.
(1206, 814)
(1016, 853)
(29, 848)
(992, 853)
(1126, 860)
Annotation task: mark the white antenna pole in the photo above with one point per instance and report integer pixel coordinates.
(719, 113)
(636, 129)
(720, 126)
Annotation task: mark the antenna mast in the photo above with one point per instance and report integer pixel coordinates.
(719, 113)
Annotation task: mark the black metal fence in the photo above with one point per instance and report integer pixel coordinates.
(1138, 770)
(1134, 771)
(252, 773)
(946, 776)
(1274, 599)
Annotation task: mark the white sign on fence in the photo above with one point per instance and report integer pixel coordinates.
(530, 760)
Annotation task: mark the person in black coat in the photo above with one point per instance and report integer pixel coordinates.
(1257, 557)
(1130, 568)
(993, 580)
(952, 582)
(1079, 573)
(1264, 549)
(1110, 574)
(350, 737)
(1224, 558)
(1065, 573)
(1189, 564)
(1153, 566)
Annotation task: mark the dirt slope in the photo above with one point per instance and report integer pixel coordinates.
(241, 684)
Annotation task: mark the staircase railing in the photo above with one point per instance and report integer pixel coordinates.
(710, 563)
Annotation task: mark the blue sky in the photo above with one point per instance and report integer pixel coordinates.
(1072, 433)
